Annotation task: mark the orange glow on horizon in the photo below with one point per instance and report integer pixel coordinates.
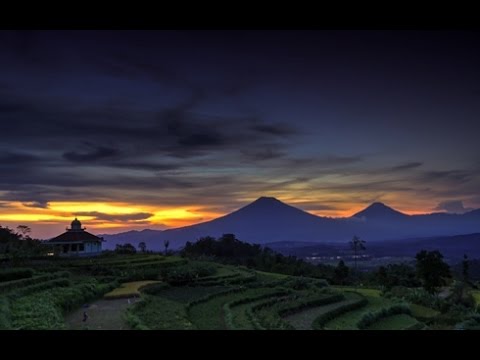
(59, 214)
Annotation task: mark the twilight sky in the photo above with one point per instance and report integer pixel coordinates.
(156, 129)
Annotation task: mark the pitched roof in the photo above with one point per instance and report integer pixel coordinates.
(75, 236)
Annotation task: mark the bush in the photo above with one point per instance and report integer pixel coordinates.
(301, 304)
(18, 284)
(321, 320)
(371, 317)
(27, 290)
(185, 274)
(472, 323)
(4, 314)
(15, 274)
(416, 296)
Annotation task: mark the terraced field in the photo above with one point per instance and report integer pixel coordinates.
(304, 319)
(191, 295)
(395, 322)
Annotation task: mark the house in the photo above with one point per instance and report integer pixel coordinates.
(76, 242)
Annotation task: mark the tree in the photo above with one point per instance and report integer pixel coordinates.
(465, 268)
(382, 276)
(24, 230)
(341, 272)
(432, 270)
(357, 245)
(166, 243)
(125, 249)
(142, 246)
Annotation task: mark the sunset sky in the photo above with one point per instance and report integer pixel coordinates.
(157, 129)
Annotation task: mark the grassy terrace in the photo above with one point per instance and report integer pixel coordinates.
(423, 312)
(304, 320)
(476, 295)
(395, 322)
(209, 315)
(129, 289)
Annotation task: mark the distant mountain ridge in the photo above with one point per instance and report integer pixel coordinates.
(268, 220)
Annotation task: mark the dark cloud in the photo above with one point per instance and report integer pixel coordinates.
(115, 217)
(17, 159)
(263, 154)
(450, 176)
(278, 129)
(452, 206)
(98, 153)
(37, 204)
(170, 116)
(407, 166)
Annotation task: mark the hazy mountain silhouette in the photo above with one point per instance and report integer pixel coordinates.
(268, 220)
(379, 211)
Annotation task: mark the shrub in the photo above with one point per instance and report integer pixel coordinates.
(4, 314)
(370, 317)
(185, 274)
(15, 274)
(321, 320)
(27, 290)
(17, 284)
(472, 323)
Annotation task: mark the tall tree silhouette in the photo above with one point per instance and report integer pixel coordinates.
(166, 243)
(357, 245)
(465, 268)
(142, 246)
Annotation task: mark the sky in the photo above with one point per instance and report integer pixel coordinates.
(160, 129)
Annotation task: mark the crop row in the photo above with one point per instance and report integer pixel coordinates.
(320, 321)
(18, 284)
(15, 274)
(227, 307)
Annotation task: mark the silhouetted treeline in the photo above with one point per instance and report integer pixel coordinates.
(17, 246)
(229, 250)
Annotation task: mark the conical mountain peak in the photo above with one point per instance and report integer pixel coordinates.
(378, 210)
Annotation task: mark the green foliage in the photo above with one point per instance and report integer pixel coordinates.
(125, 249)
(371, 317)
(157, 313)
(15, 274)
(227, 307)
(432, 269)
(341, 273)
(305, 303)
(396, 275)
(9, 286)
(454, 315)
(415, 296)
(229, 250)
(472, 323)
(423, 313)
(397, 322)
(5, 322)
(461, 295)
(31, 289)
(323, 319)
(181, 275)
(465, 269)
(156, 289)
(44, 310)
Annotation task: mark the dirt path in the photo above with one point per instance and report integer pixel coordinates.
(102, 315)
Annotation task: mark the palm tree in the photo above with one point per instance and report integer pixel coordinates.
(166, 243)
(357, 245)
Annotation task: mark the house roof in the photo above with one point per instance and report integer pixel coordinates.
(75, 236)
